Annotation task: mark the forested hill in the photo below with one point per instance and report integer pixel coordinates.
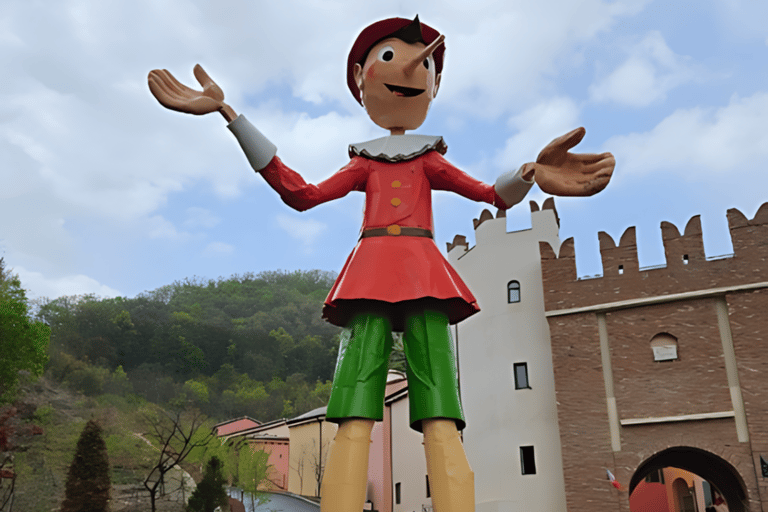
(249, 345)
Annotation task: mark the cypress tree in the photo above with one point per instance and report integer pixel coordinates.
(87, 488)
(210, 492)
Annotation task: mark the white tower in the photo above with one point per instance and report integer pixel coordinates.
(505, 367)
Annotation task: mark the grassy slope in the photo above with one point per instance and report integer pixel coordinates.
(42, 466)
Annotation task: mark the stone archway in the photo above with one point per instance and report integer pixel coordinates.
(707, 465)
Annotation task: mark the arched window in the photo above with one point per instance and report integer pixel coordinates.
(664, 347)
(513, 292)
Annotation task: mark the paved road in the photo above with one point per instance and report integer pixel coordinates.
(280, 503)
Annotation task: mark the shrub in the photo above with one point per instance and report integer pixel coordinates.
(88, 485)
(210, 492)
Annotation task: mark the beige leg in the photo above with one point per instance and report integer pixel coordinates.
(451, 480)
(346, 472)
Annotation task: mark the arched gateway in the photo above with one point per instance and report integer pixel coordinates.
(708, 466)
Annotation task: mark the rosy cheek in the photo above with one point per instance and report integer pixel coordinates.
(370, 74)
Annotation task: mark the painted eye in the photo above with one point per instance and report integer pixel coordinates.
(386, 54)
(426, 63)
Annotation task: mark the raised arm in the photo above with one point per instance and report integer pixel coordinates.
(293, 190)
(508, 191)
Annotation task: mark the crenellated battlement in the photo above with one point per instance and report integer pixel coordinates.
(497, 226)
(687, 268)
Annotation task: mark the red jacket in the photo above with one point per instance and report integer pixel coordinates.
(390, 272)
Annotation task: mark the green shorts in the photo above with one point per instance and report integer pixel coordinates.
(361, 369)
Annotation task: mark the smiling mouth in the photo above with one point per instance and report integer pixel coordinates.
(404, 91)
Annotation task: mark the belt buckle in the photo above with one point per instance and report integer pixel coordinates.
(393, 230)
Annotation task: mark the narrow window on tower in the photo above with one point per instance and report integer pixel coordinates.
(397, 493)
(429, 494)
(521, 376)
(527, 460)
(513, 292)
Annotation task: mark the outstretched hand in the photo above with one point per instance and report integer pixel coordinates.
(561, 173)
(174, 95)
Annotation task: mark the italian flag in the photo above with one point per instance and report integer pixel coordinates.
(613, 480)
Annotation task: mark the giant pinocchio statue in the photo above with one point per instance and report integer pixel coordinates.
(395, 278)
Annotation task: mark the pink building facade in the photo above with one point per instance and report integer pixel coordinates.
(272, 437)
(231, 427)
(279, 454)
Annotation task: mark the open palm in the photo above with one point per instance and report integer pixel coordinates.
(562, 173)
(174, 95)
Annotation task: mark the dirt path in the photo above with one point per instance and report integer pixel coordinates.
(135, 498)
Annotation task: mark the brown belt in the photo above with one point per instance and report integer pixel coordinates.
(395, 230)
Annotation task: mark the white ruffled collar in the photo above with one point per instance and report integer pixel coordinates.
(398, 148)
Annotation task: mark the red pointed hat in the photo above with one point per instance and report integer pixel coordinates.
(378, 31)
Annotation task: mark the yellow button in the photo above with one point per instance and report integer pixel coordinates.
(396, 201)
(394, 229)
(396, 184)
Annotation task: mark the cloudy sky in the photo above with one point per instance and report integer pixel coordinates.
(103, 191)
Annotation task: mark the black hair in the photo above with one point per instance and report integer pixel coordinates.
(411, 34)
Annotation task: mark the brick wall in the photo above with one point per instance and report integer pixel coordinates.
(581, 413)
(748, 314)
(695, 383)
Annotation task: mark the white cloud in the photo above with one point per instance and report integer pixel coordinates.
(43, 286)
(743, 18)
(651, 70)
(500, 63)
(535, 128)
(315, 146)
(159, 227)
(306, 231)
(701, 142)
(200, 218)
(218, 249)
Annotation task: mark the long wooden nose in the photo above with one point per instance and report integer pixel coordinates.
(410, 67)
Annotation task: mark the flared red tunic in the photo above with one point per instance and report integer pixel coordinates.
(392, 271)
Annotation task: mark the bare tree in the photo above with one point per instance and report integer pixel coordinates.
(317, 459)
(7, 481)
(314, 460)
(174, 434)
(298, 467)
